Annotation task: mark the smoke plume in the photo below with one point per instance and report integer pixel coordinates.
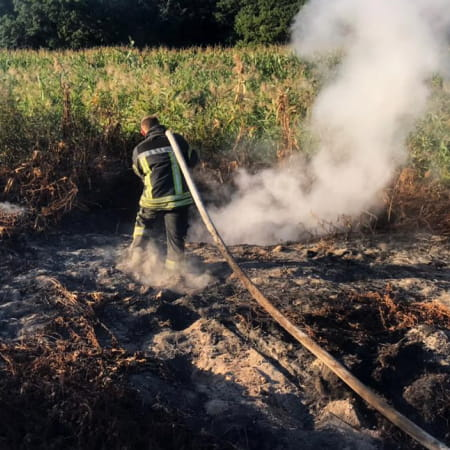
(8, 208)
(361, 117)
(147, 266)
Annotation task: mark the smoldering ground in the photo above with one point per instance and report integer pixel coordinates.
(147, 266)
(88, 353)
(8, 208)
(360, 120)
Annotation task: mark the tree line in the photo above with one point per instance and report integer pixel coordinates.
(75, 24)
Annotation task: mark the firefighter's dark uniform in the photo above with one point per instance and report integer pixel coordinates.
(165, 195)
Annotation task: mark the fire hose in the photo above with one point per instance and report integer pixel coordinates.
(371, 397)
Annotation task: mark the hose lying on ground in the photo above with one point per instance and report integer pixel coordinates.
(372, 398)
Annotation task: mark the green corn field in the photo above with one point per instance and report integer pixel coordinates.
(89, 103)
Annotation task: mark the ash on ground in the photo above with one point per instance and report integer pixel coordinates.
(94, 357)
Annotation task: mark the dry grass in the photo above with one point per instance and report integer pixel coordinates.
(396, 315)
(368, 317)
(416, 202)
(62, 389)
(45, 196)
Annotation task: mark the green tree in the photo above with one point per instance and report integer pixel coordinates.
(188, 22)
(139, 22)
(259, 21)
(225, 14)
(65, 23)
(49, 23)
(6, 7)
(86, 23)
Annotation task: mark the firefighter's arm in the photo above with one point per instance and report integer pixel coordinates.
(136, 171)
(135, 165)
(190, 155)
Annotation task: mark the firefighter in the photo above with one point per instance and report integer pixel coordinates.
(165, 199)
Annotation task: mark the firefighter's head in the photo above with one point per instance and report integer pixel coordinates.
(147, 123)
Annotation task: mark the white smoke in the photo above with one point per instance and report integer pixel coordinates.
(8, 208)
(147, 266)
(361, 117)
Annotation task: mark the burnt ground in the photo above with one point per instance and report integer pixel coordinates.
(92, 357)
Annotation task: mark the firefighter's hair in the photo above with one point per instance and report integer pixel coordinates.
(149, 122)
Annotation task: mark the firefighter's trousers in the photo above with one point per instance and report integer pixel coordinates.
(151, 225)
